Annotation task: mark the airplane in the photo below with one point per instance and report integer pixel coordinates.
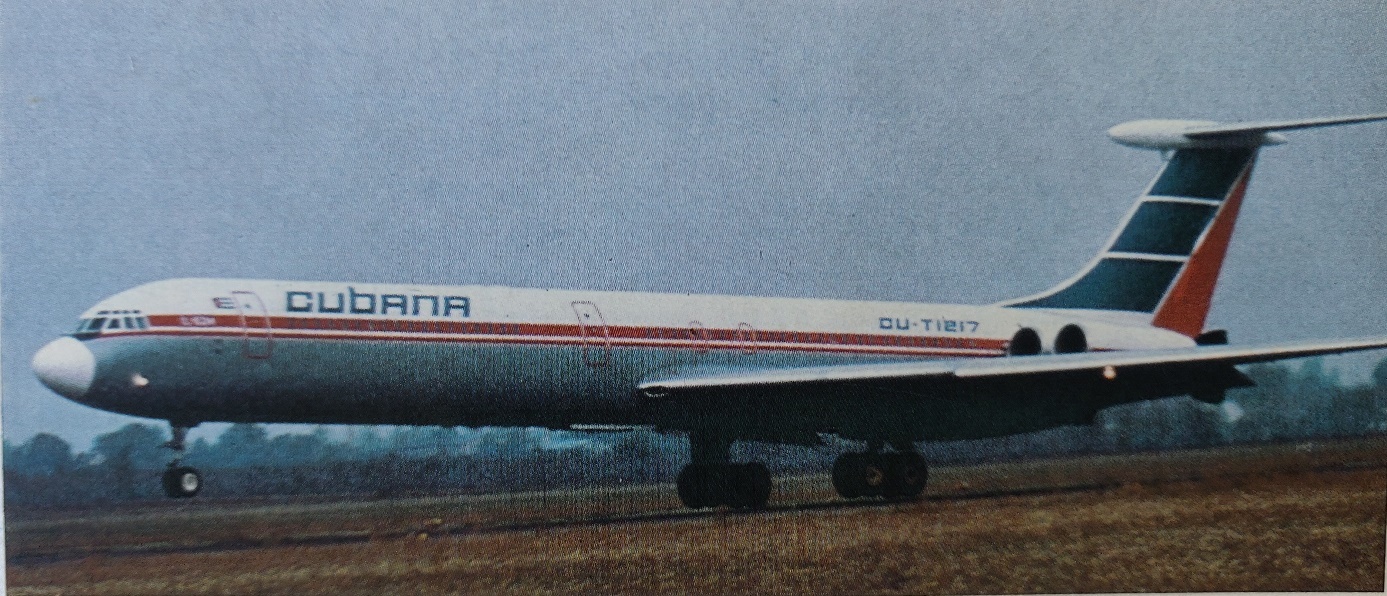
(1129, 326)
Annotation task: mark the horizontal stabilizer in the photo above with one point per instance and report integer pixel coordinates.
(1202, 134)
(1245, 128)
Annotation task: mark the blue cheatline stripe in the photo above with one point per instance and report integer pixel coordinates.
(1201, 173)
(1115, 284)
(1164, 228)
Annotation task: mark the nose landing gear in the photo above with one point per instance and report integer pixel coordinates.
(180, 482)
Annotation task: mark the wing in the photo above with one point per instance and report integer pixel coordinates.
(1194, 366)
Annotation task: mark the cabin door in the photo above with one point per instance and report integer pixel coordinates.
(597, 342)
(257, 342)
(746, 338)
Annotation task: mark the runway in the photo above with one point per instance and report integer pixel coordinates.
(1303, 516)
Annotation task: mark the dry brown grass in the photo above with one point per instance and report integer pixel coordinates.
(1261, 530)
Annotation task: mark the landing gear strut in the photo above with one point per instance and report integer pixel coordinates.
(899, 475)
(711, 480)
(180, 482)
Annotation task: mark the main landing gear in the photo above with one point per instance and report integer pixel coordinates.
(739, 486)
(711, 480)
(899, 475)
(180, 482)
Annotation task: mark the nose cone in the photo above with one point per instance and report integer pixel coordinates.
(66, 366)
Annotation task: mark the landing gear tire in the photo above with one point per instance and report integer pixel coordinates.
(748, 486)
(693, 487)
(889, 475)
(181, 482)
(874, 476)
(908, 474)
(739, 486)
(845, 474)
(761, 485)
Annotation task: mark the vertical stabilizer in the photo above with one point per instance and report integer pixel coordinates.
(1164, 260)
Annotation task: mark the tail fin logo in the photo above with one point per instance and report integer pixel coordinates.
(1185, 308)
(1165, 258)
(1162, 234)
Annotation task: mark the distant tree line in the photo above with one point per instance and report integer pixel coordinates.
(1288, 403)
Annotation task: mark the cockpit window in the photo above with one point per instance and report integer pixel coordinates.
(92, 327)
(87, 328)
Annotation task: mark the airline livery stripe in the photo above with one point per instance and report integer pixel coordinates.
(1141, 256)
(1202, 173)
(564, 341)
(1161, 227)
(342, 328)
(1185, 200)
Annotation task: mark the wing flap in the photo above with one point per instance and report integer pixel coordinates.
(712, 378)
(1227, 355)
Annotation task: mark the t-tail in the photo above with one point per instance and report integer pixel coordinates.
(1164, 260)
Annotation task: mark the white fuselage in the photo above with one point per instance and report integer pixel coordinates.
(202, 350)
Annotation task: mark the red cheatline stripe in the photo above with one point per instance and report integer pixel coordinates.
(1186, 305)
(493, 339)
(566, 334)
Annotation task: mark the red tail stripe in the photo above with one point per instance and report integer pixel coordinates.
(1186, 306)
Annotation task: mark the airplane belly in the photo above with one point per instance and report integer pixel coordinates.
(212, 378)
(355, 382)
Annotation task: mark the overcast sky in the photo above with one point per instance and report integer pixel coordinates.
(924, 151)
